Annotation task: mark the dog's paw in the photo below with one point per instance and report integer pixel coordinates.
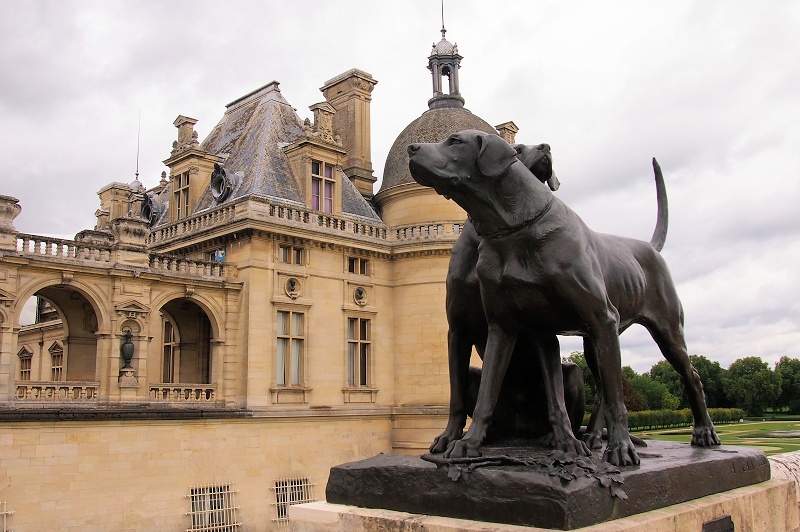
(704, 436)
(574, 445)
(442, 441)
(593, 440)
(621, 454)
(462, 449)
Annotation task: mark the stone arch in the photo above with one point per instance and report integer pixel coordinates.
(78, 318)
(211, 309)
(91, 292)
(187, 324)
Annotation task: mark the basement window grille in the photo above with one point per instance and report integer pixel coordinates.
(289, 491)
(4, 514)
(212, 508)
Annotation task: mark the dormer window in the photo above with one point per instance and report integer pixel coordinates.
(322, 186)
(180, 192)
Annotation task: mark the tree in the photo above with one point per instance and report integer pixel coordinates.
(664, 373)
(655, 394)
(752, 385)
(789, 371)
(713, 377)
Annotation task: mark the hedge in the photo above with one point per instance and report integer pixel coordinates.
(666, 419)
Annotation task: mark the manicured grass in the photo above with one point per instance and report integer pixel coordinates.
(750, 434)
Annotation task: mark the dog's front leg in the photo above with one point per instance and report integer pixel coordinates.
(561, 437)
(499, 346)
(459, 350)
(605, 338)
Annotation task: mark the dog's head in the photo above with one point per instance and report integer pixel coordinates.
(539, 160)
(450, 166)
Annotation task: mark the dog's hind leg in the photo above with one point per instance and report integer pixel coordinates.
(593, 437)
(668, 334)
(561, 437)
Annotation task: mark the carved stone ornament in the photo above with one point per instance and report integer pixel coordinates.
(360, 296)
(222, 183)
(292, 287)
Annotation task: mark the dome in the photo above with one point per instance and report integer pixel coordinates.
(444, 47)
(434, 125)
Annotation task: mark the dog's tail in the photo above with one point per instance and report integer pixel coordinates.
(660, 233)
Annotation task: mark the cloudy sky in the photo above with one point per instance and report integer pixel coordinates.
(712, 89)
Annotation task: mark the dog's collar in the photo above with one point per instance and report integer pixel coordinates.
(505, 231)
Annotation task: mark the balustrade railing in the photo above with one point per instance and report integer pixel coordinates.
(183, 393)
(191, 268)
(57, 392)
(59, 248)
(427, 231)
(271, 210)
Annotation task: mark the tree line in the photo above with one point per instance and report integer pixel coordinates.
(748, 383)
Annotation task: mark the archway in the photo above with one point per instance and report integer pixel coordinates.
(185, 343)
(57, 340)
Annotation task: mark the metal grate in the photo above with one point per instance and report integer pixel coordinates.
(289, 491)
(4, 513)
(212, 508)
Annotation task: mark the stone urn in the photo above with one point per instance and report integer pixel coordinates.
(126, 350)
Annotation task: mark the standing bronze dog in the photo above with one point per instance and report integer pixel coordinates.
(520, 410)
(543, 272)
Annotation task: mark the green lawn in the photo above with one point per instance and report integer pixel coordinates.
(751, 434)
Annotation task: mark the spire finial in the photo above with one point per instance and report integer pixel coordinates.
(443, 30)
(138, 135)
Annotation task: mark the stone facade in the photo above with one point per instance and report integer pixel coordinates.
(277, 319)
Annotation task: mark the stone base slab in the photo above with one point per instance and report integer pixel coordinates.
(765, 507)
(522, 484)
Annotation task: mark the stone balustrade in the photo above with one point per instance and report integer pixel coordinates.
(427, 231)
(264, 209)
(183, 393)
(57, 392)
(59, 248)
(192, 268)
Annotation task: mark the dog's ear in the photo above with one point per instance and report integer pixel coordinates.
(494, 155)
(553, 182)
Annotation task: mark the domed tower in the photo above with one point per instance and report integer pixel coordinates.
(424, 227)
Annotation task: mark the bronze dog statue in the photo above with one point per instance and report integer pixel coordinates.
(519, 411)
(543, 272)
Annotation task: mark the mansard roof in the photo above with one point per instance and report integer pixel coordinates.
(250, 138)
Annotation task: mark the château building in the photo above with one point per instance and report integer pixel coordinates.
(204, 354)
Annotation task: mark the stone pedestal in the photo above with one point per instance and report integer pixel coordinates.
(765, 507)
(530, 486)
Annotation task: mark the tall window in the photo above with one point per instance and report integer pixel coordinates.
(358, 352)
(321, 186)
(25, 357)
(170, 348)
(289, 355)
(56, 362)
(180, 193)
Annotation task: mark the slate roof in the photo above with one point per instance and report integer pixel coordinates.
(252, 134)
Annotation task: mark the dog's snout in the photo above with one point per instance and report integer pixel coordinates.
(543, 147)
(413, 148)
